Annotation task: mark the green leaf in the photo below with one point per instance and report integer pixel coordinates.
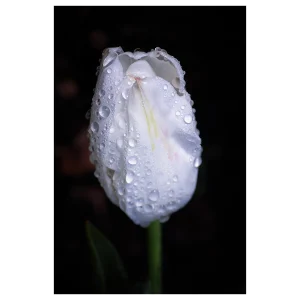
(109, 273)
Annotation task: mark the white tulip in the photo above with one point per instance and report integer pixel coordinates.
(143, 135)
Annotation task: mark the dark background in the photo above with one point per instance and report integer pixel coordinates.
(204, 244)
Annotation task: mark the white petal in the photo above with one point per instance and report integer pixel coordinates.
(148, 136)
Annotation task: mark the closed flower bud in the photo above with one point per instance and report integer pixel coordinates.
(144, 141)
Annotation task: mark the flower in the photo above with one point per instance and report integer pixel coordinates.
(143, 136)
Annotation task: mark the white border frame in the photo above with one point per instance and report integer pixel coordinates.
(246, 294)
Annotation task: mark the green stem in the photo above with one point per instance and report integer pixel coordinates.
(154, 257)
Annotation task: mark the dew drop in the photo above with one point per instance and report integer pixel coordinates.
(121, 191)
(171, 205)
(121, 120)
(104, 111)
(154, 195)
(132, 143)
(165, 87)
(175, 178)
(123, 206)
(139, 204)
(164, 219)
(88, 114)
(108, 70)
(125, 94)
(197, 162)
(129, 201)
(132, 160)
(129, 176)
(95, 127)
(187, 119)
(148, 208)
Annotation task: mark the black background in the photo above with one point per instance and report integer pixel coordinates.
(204, 244)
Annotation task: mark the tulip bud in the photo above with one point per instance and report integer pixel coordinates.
(143, 136)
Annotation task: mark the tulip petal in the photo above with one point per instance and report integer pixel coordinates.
(144, 132)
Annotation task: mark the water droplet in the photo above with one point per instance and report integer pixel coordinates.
(129, 201)
(132, 160)
(104, 111)
(121, 191)
(120, 142)
(177, 113)
(101, 146)
(129, 176)
(175, 178)
(154, 195)
(165, 87)
(139, 204)
(187, 119)
(171, 193)
(161, 209)
(88, 114)
(197, 162)
(123, 206)
(148, 208)
(132, 143)
(108, 70)
(95, 127)
(110, 96)
(92, 159)
(121, 120)
(182, 107)
(164, 219)
(125, 94)
(171, 205)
